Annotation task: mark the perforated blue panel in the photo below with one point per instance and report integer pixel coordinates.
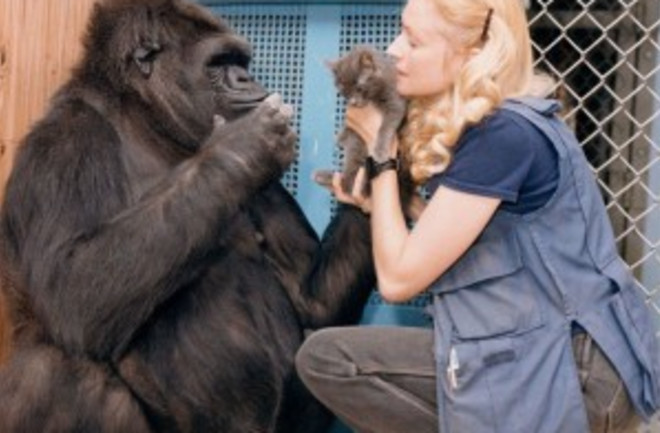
(376, 26)
(292, 43)
(278, 39)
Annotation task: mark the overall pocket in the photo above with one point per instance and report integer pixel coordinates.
(513, 384)
(473, 371)
(488, 310)
(489, 292)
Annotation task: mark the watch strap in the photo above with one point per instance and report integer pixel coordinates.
(374, 168)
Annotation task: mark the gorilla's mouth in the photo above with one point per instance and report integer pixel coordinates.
(232, 82)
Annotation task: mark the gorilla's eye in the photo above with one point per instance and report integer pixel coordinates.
(232, 58)
(146, 55)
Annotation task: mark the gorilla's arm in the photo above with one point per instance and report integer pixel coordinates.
(328, 281)
(99, 261)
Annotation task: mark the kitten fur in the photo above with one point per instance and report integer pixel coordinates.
(365, 75)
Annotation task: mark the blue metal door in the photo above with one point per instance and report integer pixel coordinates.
(292, 42)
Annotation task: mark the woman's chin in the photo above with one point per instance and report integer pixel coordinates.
(408, 90)
(403, 90)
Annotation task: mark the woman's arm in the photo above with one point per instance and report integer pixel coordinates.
(407, 262)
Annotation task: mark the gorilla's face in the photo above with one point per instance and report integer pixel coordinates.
(181, 62)
(235, 91)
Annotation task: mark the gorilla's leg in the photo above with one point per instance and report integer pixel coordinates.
(301, 412)
(42, 390)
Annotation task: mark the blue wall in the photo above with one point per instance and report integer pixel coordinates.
(292, 42)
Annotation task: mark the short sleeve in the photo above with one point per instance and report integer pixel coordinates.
(492, 159)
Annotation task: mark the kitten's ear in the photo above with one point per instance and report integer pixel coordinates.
(367, 62)
(332, 64)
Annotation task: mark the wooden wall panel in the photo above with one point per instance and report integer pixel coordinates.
(39, 43)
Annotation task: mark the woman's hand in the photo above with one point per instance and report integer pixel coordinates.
(355, 198)
(366, 122)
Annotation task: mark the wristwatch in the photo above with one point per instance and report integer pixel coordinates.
(373, 168)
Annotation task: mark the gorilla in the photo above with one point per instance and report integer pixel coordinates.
(162, 278)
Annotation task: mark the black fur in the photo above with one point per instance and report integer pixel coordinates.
(162, 278)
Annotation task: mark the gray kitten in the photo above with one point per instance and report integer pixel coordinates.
(365, 75)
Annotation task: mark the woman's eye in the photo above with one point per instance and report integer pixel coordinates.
(412, 43)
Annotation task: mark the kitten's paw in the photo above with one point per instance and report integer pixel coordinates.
(381, 153)
(323, 177)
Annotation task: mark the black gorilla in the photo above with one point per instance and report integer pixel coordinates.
(162, 276)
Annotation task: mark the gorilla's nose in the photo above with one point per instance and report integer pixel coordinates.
(239, 77)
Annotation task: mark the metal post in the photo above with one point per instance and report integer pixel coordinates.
(317, 133)
(651, 269)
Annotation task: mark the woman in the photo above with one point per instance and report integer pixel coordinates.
(537, 324)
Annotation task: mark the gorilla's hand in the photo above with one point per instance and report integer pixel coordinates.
(261, 141)
(271, 122)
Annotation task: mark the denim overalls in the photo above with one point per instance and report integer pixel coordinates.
(504, 313)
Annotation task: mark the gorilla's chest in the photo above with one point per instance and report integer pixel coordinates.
(243, 238)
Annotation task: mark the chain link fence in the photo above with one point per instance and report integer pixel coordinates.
(605, 55)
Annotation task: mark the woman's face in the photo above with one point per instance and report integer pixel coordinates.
(427, 63)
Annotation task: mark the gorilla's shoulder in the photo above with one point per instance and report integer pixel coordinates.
(72, 121)
(71, 139)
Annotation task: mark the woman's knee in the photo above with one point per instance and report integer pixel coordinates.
(322, 356)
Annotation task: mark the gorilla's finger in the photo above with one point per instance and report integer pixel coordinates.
(218, 120)
(280, 121)
(269, 107)
(274, 100)
(284, 113)
(287, 111)
(286, 150)
(285, 140)
(291, 137)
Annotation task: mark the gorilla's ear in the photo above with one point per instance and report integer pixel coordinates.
(144, 57)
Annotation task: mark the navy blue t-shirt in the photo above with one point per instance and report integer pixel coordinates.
(506, 157)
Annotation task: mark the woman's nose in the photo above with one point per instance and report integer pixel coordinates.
(394, 49)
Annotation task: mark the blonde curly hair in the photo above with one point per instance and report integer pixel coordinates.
(500, 65)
